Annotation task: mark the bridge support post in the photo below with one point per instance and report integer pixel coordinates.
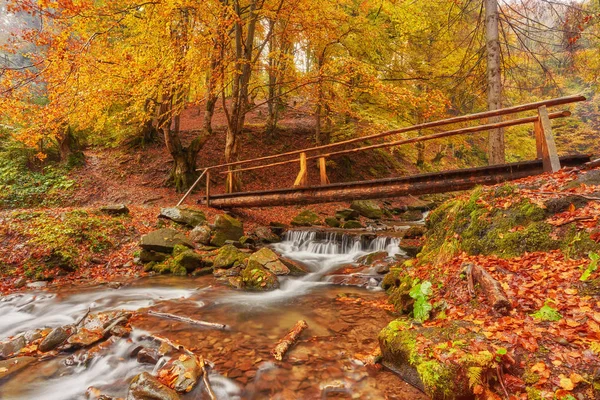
(323, 171)
(545, 141)
(302, 178)
(208, 188)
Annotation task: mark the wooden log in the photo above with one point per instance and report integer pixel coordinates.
(463, 118)
(550, 156)
(288, 340)
(191, 188)
(302, 178)
(490, 287)
(188, 320)
(323, 171)
(207, 386)
(539, 139)
(447, 181)
(208, 188)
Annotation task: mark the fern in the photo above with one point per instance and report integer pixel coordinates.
(474, 375)
(547, 313)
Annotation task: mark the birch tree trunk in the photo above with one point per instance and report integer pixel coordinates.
(495, 136)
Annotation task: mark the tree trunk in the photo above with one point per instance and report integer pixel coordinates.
(495, 136)
(319, 106)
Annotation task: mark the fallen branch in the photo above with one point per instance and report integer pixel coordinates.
(576, 219)
(491, 288)
(288, 340)
(188, 320)
(83, 317)
(169, 342)
(209, 391)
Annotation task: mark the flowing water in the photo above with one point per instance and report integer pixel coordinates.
(323, 364)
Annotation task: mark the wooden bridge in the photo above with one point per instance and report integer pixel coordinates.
(547, 161)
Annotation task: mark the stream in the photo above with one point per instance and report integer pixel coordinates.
(323, 364)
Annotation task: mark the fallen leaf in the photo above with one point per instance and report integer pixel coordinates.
(566, 384)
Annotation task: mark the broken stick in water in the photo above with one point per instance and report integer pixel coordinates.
(288, 340)
(209, 391)
(188, 320)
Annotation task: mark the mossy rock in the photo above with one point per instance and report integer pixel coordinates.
(256, 278)
(367, 208)
(306, 218)
(189, 260)
(147, 256)
(183, 215)
(164, 240)
(411, 215)
(332, 222)
(558, 205)
(352, 225)
(203, 271)
(347, 214)
(397, 283)
(415, 232)
(226, 228)
(268, 259)
(229, 256)
(438, 379)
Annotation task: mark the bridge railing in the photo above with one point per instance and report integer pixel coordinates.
(542, 127)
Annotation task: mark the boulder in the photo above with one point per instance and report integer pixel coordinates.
(85, 337)
(146, 387)
(189, 260)
(277, 228)
(187, 371)
(115, 209)
(347, 214)
(226, 228)
(183, 215)
(372, 258)
(12, 346)
(332, 222)
(306, 218)
(367, 208)
(265, 234)
(415, 232)
(268, 259)
(203, 271)
(352, 225)
(257, 278)
(295, 267)
(558, 205)
(147, 256)
(55, 338)
(164, 240)
(229, 256)
(411, 215)
(148, 355)
(201, 234)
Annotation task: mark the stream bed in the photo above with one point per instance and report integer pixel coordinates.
(323, 364)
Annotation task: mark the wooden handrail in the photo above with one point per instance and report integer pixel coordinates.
(426, 125)
(455, 132)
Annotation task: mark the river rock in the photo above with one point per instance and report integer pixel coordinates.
(12, 346)
(189, 259)
(226, 228)
(367, 208)
(411, 215)
(347, 214)
(352, 225)
(268, 259)
(277, 228)
(257, 278)
(146, 387)
(13, 365)
(85, 337)
(148, 356)
(229, 256)
(164, 240)
(201, 234)
(295, 267)
(372, 258)
(115, 209)
(55, 338)
(415, 232)
(306, 218)
(183, 215)
(265, 234)
(332, 222)
(187, 369)
(147, 256)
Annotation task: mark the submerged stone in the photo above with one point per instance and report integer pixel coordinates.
(8, 367)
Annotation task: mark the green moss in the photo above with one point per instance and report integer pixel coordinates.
(530, 378)
(533, 393)
(256, 278)
(306, 218)
(398, 285)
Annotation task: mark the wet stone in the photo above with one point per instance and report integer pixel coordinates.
(148, 356)
(146, 387)
(85, 337)
(8, 367)
(12, 347)
(55, 338)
